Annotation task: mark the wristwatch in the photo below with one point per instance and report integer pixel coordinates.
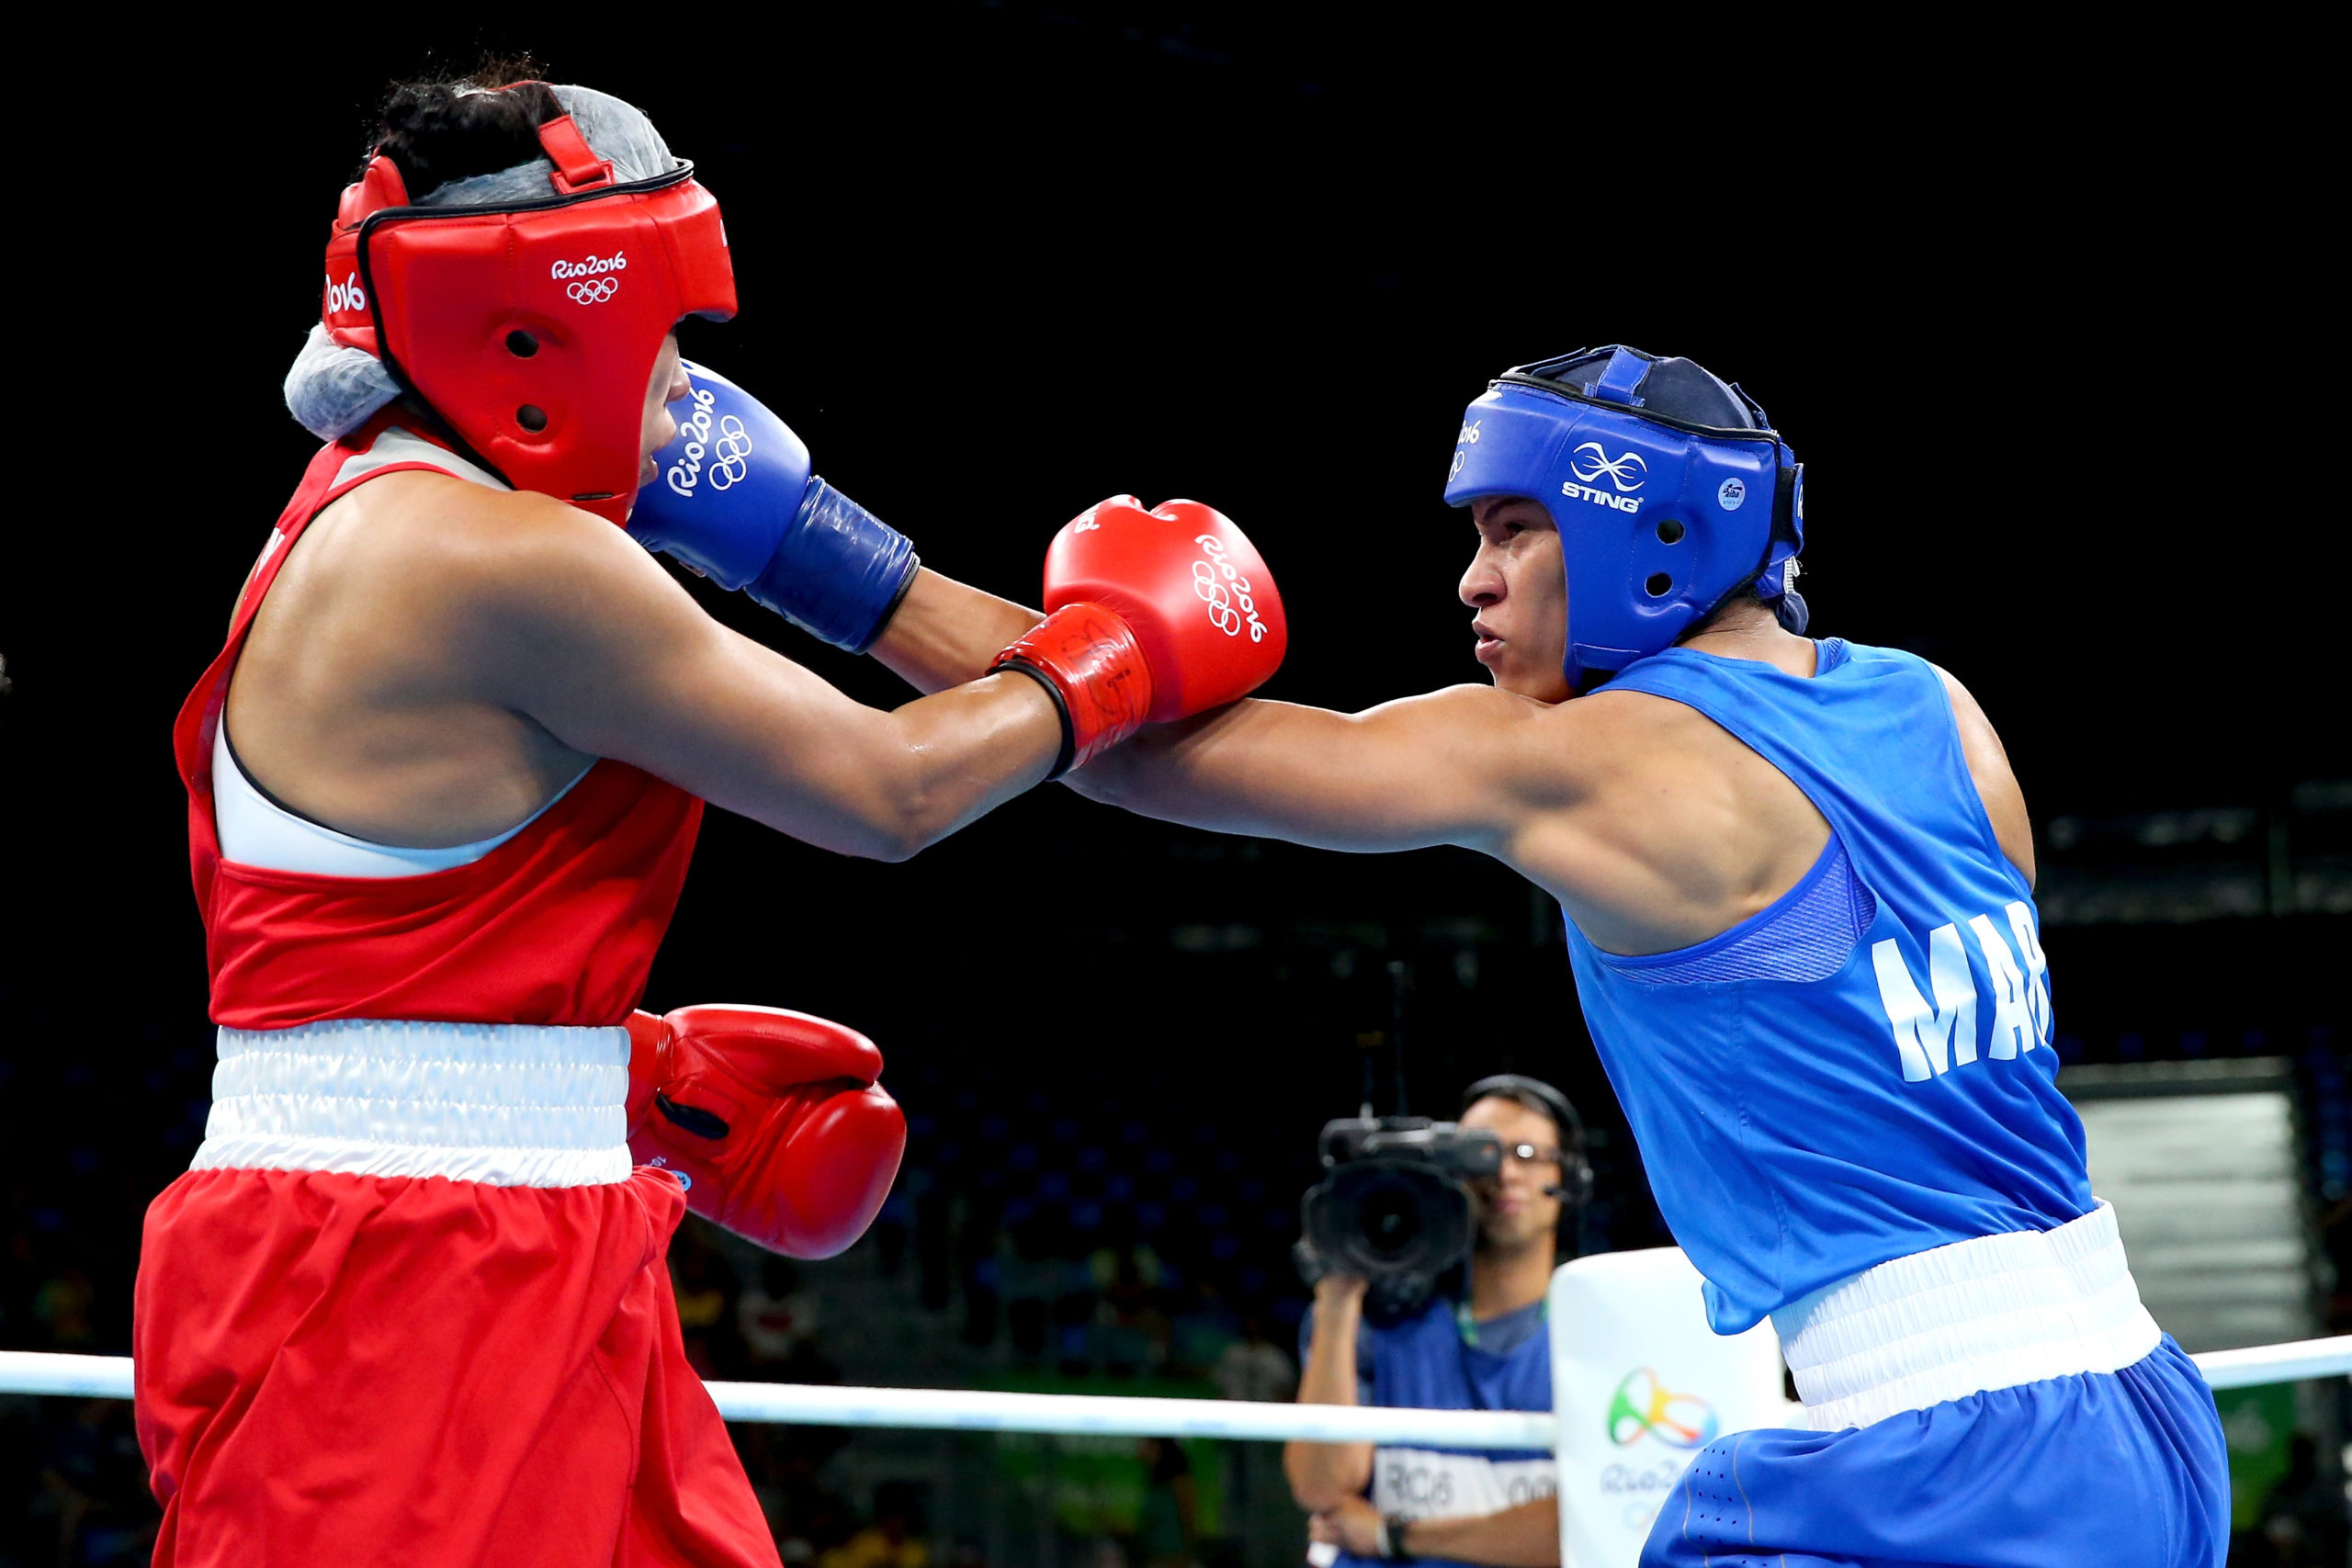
(1392, 1538)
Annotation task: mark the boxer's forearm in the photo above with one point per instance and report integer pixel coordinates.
(944, 633)
(1441, 768)
(602, 649)
(790, 752)
(1524, 1537)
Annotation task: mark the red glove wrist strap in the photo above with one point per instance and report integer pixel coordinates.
(1089, 663)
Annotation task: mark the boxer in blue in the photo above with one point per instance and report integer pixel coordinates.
(1798, 881)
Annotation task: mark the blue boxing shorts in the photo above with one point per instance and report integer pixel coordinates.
(2125, 1468)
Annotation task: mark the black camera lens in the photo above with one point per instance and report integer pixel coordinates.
(1391, 1220)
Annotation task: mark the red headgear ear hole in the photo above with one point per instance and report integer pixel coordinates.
(522, 345)
(531, 417)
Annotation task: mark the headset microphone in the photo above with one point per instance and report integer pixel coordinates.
(1556, 1190)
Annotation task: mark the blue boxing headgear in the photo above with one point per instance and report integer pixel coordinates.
(1671, 490)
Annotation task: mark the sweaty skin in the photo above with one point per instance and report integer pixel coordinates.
(437, 659)
(1653, 826)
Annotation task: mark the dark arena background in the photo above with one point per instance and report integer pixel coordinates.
(998, 261)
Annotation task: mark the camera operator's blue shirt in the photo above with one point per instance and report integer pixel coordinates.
(1862, 1071)
(1431, 1362)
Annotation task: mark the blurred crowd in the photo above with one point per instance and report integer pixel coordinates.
(1071, 1241)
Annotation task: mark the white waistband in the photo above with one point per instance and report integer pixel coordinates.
(1995, 1312)
(511, 1105)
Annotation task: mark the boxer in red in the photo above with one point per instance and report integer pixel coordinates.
(408, 1304)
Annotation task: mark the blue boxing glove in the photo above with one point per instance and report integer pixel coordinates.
(732, 498)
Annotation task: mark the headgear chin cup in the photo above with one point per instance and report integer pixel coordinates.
(1670, 489)
(531, 329)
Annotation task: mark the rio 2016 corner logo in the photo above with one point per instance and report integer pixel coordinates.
(1643, 1404)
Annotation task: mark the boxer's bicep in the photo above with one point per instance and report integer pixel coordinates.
(1429, 769)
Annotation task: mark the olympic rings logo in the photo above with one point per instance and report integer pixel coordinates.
(593, 293)
(731, 455)
(1642, 1403)
(1619, 470)
(725, 442)
(1228, 593)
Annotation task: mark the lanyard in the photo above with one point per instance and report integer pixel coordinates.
(1467, 1325)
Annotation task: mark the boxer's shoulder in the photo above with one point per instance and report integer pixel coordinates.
(446, 550)
(1599, 746)
(1989, 770)
(1657, 826)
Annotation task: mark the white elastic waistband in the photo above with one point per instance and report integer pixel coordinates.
(1995, 1312)
(511, 1105)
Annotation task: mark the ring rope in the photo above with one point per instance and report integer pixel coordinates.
(968, 1410)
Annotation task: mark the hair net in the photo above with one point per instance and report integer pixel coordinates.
(333, 389)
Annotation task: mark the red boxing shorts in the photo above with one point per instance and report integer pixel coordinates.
(345, 1369)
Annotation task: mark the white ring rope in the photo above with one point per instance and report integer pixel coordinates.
(966, 1410)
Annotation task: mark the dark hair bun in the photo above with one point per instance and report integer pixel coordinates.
(439, 131)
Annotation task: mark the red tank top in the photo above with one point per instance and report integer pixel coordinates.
(557, 925)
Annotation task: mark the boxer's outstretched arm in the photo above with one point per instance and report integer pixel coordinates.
(1424, 771)
(580, 631)
(1460, 766)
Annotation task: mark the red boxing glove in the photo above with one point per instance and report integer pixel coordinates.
(1192, 587)
(1154, 615)
(1089, 661)
(773, 1120)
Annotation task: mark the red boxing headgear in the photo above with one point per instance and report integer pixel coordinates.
(532, 329)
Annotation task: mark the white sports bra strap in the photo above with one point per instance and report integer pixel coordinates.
(255, 830)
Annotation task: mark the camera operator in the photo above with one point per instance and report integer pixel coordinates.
(1485, 1348)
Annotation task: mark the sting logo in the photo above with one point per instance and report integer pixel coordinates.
(1621, 470)
(1588, 463)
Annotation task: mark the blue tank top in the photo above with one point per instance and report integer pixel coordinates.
(1862, 1071)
